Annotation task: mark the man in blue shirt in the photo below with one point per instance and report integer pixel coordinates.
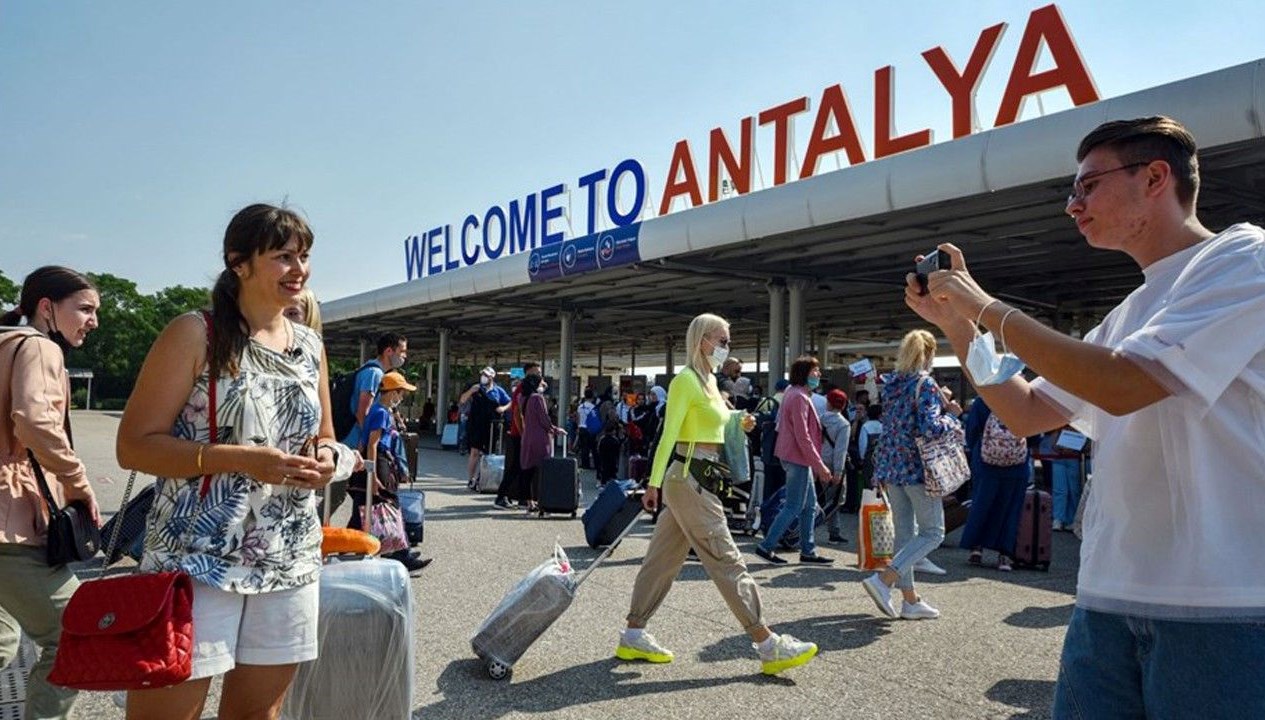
(488, 402)
(392, 352)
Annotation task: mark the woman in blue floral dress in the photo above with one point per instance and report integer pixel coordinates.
(912, 406)
(238, 514)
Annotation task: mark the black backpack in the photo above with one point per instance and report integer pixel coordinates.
(766, 424)
(340, 392)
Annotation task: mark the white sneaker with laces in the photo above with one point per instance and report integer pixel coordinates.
(642, 647)
(786, 653)
(880, 593)
(925, 565)
(918, 611)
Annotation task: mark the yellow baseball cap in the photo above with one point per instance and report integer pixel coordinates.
(395, 381)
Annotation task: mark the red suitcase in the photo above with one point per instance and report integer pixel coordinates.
(1033, 543)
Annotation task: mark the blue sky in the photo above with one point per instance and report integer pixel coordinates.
(130, 132)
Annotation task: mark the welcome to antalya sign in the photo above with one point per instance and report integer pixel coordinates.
(535, 223)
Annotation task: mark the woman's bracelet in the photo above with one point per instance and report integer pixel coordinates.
(201, 447)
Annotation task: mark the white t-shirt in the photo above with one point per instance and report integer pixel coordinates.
(869, 431)
(1175, 524)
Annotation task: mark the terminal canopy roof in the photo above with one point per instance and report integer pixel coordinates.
(849, 236)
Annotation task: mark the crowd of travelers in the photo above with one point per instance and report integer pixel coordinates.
(235, 415)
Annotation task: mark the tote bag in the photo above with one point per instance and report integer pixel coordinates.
(876, 535)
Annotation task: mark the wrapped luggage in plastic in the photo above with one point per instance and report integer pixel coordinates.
(365, 666)
(525, 614)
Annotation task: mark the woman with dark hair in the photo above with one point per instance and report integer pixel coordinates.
(60, 308)
(799, 449)
(538, 434)
(238, 512)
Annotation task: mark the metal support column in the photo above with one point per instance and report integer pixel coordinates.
(795, 318)
(777, 335)
(667, 358)
(364, 350)
(441, 402)
(564, 365)
(601, 360)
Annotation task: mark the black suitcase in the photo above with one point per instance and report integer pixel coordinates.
(559, 490)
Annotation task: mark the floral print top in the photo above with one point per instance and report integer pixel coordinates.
(245, 536)
(911, 407)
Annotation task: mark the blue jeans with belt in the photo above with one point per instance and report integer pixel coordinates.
(801, 502)
(1124, 666)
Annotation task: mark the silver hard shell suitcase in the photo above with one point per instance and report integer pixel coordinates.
(491, 465)
(364, 666)
(530, 608)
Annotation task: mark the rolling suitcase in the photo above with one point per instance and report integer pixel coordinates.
(1033, 543)
(530, 608)
(638, 468)
(448, 439)
(559, 490)
(617, 506)
(412, 442)
(492, 464)
(413, 509)
(364, 664)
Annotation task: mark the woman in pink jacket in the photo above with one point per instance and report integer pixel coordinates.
(799, 449)
(60, 307)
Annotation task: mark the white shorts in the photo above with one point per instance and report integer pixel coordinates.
(276, 628)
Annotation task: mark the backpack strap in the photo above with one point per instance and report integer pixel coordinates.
(212, 386)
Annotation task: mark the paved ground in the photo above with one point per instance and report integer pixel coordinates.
(994, 653)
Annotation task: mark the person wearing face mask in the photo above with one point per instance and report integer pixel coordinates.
(799, 449)
(60, 307)
(693, 514)
(392, 354)
(912, 406)
(382, 439)
(488, 403)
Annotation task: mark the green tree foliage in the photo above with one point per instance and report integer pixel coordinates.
(9, 292)
(129, 323)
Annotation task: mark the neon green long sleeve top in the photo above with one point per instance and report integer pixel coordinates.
(693, 415)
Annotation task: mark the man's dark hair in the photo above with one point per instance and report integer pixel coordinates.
(386, 341)
(529, 366)
(588, 393)
(874, 411)
(801, 368)
(1143, 140)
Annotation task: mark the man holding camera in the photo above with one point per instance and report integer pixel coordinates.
(1170, 607)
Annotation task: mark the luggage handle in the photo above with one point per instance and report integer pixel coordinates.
(579, 580)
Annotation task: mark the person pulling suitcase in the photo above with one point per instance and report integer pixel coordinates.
(689, 476)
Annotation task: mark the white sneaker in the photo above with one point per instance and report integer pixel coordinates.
(925, 565)
(881, 594)
(642, 647)
(786, 653)
(1057, 526)
(918, 611)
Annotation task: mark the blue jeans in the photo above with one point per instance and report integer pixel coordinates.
(911, 503)
(1121, 666)
(801, 501)
(1067, 489)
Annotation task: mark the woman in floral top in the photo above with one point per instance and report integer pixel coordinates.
(238, 515)
(912, 407)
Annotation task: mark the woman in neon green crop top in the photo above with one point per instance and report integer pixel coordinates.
(694, 426)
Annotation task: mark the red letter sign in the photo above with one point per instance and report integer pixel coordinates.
(682, 161)
(886, 142)
(780, 116)
(833, 106)
(962, 86)
(1069, 68)
(719, 151)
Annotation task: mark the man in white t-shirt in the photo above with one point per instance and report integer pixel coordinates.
(1170, 604)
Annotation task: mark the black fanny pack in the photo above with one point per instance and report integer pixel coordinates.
(711, 475)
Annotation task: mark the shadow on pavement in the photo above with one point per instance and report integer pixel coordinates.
(830, 632)
(468, 692)
(1042, 618)
(1034, 697)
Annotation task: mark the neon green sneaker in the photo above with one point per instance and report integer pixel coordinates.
(786, 653)
(644, 647)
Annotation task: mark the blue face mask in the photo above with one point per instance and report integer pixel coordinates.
(986, 366)
(814, 382)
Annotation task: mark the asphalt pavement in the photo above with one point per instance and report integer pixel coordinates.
(992, 654)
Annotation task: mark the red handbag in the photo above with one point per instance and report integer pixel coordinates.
(131, 632)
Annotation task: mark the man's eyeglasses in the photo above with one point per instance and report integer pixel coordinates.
(1079, 188)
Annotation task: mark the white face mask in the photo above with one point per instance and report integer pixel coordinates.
(719, 355)
(986, 366)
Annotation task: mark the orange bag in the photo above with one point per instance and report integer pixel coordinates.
(876, 536)
(345, 541)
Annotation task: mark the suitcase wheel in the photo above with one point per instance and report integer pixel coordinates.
(499, 671)
(572, 514)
